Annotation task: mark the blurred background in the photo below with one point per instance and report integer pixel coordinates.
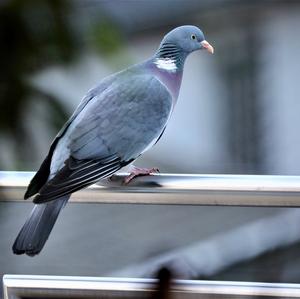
(238, 113)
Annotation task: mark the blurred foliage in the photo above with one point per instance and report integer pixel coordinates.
(33, 34)
(107, 37)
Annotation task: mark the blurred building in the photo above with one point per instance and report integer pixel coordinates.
(237, 113)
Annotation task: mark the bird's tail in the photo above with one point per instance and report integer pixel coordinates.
(36, 230)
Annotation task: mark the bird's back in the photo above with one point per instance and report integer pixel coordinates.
(123, 119)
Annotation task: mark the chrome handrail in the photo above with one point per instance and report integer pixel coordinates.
(42, 286)
(179, 189)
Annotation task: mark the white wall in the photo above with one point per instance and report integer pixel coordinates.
(280, 90)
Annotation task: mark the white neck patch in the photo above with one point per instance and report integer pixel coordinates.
(166, 64)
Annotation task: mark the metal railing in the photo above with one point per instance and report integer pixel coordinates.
(178, 189)
(33, 286)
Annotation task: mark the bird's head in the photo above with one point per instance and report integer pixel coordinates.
(188, 38)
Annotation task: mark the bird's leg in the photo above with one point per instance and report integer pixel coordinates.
(137, 171)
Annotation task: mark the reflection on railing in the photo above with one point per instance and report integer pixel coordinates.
(28, 286)
(179, 189)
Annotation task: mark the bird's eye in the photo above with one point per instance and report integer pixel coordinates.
(193, 36)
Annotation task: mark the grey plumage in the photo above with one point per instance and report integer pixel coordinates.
(38, 226)
(114, 123)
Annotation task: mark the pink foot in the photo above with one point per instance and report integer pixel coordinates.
(139, 172)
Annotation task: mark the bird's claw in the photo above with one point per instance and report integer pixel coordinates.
(139, 172)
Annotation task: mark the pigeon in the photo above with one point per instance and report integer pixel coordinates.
(116, 122)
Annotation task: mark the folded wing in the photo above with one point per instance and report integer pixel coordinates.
(77, 174)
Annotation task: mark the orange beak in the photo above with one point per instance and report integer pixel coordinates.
(207, 46)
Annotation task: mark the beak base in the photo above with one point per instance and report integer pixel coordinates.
(207, 46)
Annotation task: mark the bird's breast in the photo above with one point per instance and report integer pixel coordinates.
(171, 79)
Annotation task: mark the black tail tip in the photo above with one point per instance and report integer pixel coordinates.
(30, 252)
(17, 251)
